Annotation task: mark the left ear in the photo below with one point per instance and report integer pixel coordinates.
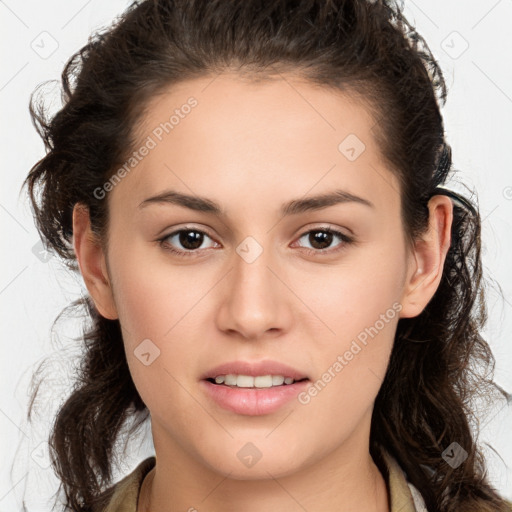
(426, 261)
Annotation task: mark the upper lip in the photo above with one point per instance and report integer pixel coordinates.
(254, 369)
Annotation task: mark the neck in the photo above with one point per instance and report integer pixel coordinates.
(342, 481)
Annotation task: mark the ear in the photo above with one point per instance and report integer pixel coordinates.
(426, 260)
(92, 262)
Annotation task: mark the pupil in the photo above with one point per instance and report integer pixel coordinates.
(321, 237)
(189, 239)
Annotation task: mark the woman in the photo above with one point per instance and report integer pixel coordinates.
(253, 193)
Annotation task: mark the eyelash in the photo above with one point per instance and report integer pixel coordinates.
(347, 240)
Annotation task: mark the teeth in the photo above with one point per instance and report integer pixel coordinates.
(264, 381)
(247, 381)
(277, 380)
(230, 380)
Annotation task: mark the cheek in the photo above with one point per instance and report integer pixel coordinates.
(159, 308)
(346, 299)
(356, 310)
(351, 370)
(153, 297)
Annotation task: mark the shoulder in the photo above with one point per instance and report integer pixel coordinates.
(123, 496)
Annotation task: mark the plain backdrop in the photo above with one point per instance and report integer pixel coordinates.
(472, 43)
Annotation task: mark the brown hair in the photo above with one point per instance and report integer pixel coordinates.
(363, 47)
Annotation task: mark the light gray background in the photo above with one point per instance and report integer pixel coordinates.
(38, 37)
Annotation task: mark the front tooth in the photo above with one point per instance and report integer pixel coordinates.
(245, 381)
(230, 380)
(277, 380)
(263, 381)
(288, 380)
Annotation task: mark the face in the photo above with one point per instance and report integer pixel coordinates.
(261, 279)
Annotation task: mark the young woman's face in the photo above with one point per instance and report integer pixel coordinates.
(260, 281)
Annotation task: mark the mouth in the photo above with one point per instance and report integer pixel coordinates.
(253, 382)
(253, 388)
(260, 374)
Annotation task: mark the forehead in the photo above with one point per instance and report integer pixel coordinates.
(240, 137)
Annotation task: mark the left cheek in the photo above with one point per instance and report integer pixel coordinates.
(361, 314)
(350, 301)
(352, 376)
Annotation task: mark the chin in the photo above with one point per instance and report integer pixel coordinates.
(258, 460)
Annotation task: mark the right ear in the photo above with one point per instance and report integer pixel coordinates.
(92, 263)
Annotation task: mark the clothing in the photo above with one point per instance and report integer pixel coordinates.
(404, 496)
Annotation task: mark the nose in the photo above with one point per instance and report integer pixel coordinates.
(255, 298)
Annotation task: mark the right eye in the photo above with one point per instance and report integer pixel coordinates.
(191, 239)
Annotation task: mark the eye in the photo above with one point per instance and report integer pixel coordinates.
(191, 240)
(320, 238)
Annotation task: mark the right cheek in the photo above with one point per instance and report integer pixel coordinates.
(136, 312)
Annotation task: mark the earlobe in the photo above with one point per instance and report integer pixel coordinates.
(92, 263)
(426, 262)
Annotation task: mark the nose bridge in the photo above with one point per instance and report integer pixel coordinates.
(252, 303)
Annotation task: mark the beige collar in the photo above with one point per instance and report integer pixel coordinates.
(404, 496)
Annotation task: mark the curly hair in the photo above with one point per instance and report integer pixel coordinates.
(439, 362)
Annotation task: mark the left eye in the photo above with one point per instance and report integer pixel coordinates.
(192, 240)
(323, 237)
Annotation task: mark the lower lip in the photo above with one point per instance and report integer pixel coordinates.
(253, 401)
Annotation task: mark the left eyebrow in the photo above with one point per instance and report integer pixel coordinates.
(293, 207)
(318, 202)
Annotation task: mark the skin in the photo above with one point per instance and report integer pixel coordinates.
(251, 147)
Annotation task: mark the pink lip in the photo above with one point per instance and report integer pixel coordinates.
(251, 401)
(254, 369)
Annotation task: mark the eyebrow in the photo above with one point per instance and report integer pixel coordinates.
(293, 207)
